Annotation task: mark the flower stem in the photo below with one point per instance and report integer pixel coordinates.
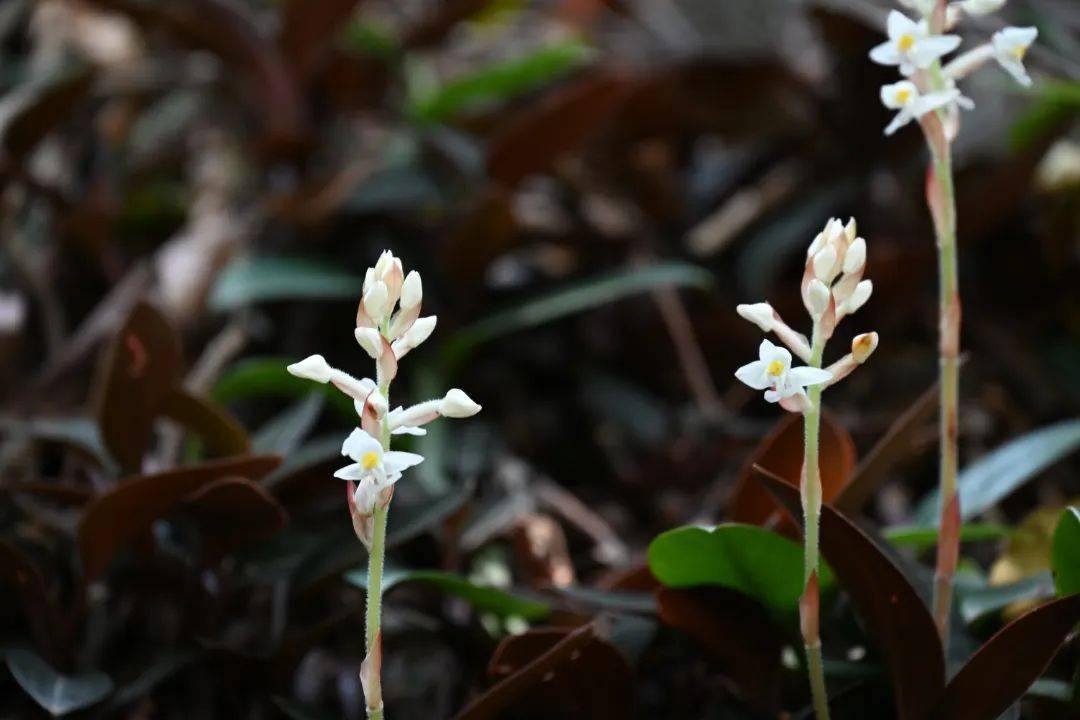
(376, 560)
(943, 206)
(809, 609)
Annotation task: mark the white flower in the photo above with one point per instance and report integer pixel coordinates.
(456, 404)
(981, 7)
(373, 469)
(905, 97)
(1010, 46)
(773, 373)
(910, 44)
(761, 314)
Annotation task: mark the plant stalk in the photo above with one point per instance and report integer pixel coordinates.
(376, 561)
(809, 606)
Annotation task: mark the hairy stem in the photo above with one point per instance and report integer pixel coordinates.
(376, 560)
(809, 609)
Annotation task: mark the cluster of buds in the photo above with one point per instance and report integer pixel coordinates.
(832, 288)
(388, 326)
(917, 48)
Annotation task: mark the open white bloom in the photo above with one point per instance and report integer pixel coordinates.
(911, 46)
(981, 7)
(772, 372)
(373, 469)
(905, 97)
(1010, 46)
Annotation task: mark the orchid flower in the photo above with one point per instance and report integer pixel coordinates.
(1010, 46)
(773, 373)
(373, 469)
(911, 45)
(912, 105)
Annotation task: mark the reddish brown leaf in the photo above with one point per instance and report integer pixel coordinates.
(1002, 670)
(736, 631)
(555, 672)
(222, 434)
(35, 109)
(308, 30)
(233, 512)
(894, 446)
(534, 139)
(140, 369)
(124, 512)
(441, 20)
(18, 575)
(894, 614)
(781, 452)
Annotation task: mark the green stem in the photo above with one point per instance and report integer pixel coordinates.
(811, 501)
(376, 561)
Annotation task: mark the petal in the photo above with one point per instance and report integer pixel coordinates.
(753, 374)
(366, 496)
(885, 54)
(772, 396)
(898, 24)
(902, 118)
(409, 430)
(777, 352)
(765, 350)
(927, 51)
(360, 442)
(933, 101)
(805, 376)
(351, 472)
(395, 461)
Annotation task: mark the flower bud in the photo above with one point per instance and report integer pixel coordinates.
(863, 346)
(456, 404)
(817, 298)
(417, 333)
(825, 264)
(375, 300)
(371, 340)
(851, 230)
(819, 242)
(412, 291)
(859, 296)
(855, 257)
(377, 401)
(981, 7)
(313, 367)
(761, 314)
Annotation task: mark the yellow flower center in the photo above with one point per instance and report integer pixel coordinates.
(906, 42)
(903, 95)
(1019, 51)
(369, 460)
(775, 368)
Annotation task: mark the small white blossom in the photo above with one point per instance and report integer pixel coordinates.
(905, 97)
(761, 314)
(1010, 47)
(911, 46)
(981, 7)
(773, 373)
(373, 469)
(456, 404)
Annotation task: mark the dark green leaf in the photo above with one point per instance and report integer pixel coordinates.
(487, 599)
(1002, 471)
(1065, 553)
(58, 694)
(269, 279)
(747, 558)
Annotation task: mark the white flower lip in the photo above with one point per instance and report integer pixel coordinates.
(761, 314)
(313, 367)
(456, 404)
(911, 46)
(773, 373)
(1010, 46)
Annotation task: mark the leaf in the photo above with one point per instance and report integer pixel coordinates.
(1002, 471)
(892, 611)
(533, 139)
(140, 369)
(895, 446)
(556, 672)
(20, 578)
(260, 377)
(924, 538)
(1065, 555)
(31, 110)
(118, 516)
(273, 279)
(757, 562)
(58, 694)
(735, 631)
(980, 601)
(582, 296)
(486, 599)
(234, 512)
(284, 433)
(1004, 668)
(781, 452)
(498, 82)
(81, 433)
(223, 435)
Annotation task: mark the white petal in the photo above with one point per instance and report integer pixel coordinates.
(899, 24)
(456, 404)
(360, 442)
(409, 430)
(375, 300)
(773, 396)
(366, 496)
(817, 295)
(370, 340)
(761, 314)
(775, 352)
(805, 376)
(351, 472)
(753, 374)
(855, 257)
(412, 291)
(396, 461)
(313, 367)
(927, 51)
(885, 54)
(902, 118)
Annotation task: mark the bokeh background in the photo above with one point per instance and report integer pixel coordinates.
(588, 188)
